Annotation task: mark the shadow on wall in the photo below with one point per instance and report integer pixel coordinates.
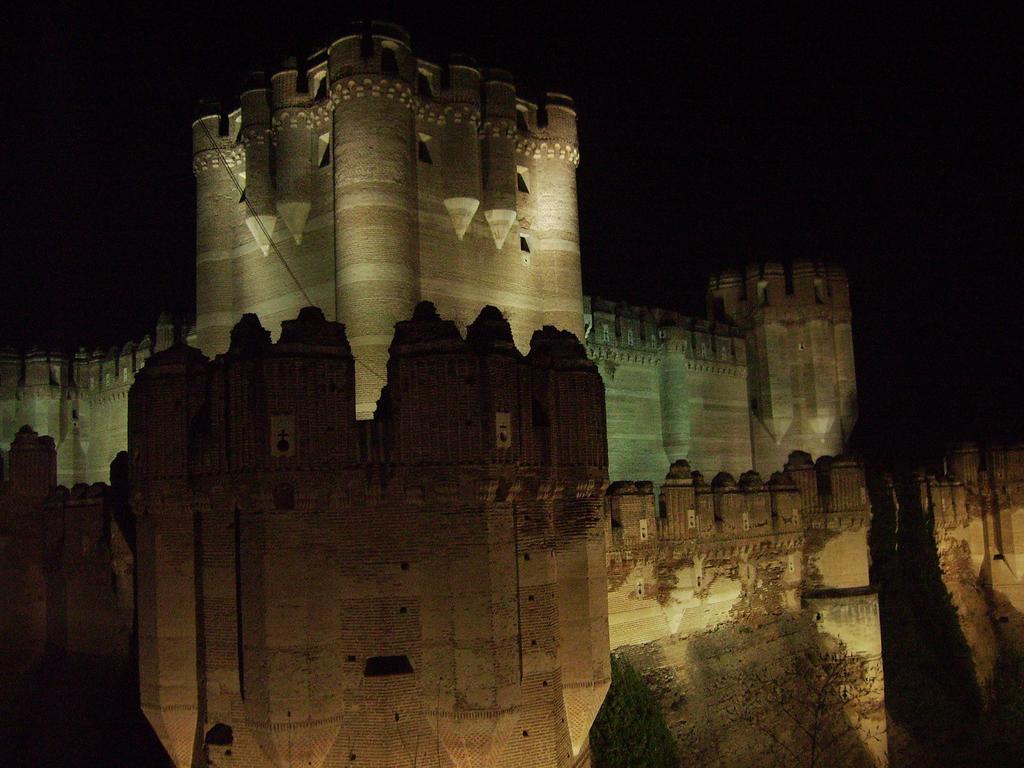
(936, 708)
(76, 712)
(729, 696)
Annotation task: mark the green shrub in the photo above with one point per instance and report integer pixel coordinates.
(629, 731)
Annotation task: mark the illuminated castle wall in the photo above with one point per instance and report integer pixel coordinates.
(977, 512)
(718, 574)
(423, 589)
(373, 179)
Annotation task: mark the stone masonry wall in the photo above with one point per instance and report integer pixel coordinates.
(711, 585)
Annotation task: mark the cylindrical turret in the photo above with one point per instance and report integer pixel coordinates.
(801, 470)
(261, 214)
(556, 232)
(215, 162)
(775, 280)
(377, 263)
(498, 146)
(461, 145)
(805, 279)
(293, 151)
(964, 462)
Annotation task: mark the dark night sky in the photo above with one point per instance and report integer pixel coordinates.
(889, 143)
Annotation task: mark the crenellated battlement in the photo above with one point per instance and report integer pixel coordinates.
(28, 374)
(739, 557)
(435, 410)
(779, 292)
(615, 328)
(830, 494)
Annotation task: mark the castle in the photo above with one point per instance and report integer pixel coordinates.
(345, 522)
(370, 180)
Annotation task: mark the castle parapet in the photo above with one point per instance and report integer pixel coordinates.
(700, 514)
(771, 288)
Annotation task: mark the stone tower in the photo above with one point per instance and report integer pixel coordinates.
(372, 179)
(801, 384)
(423, 589)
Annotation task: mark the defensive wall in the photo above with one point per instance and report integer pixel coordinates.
(976, 510)
(710, 582)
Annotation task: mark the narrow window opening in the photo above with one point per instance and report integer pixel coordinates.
(388, 62)
(323, 150)
(423, 86)
(524, 244)
(321, 88)
(523, 179)
(762, 293)
(423, 152)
